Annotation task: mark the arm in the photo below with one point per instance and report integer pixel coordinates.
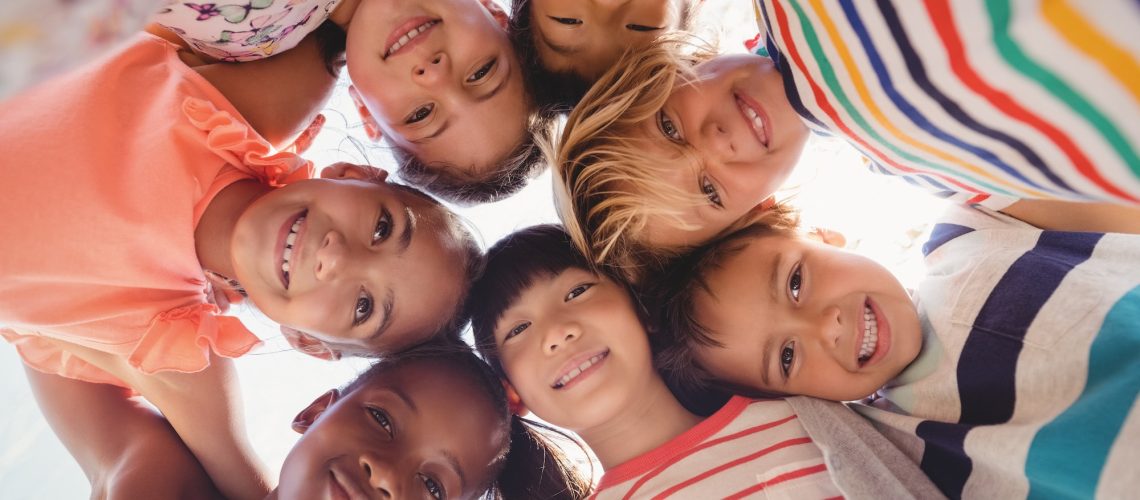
(1077, 216)
(204, 408)
(126, 449)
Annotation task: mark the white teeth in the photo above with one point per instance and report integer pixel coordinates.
(289, 241)
(870, 333)
(409, 36)
(578, 370)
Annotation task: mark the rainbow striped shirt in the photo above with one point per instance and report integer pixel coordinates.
(980, 101)
(1027, 383)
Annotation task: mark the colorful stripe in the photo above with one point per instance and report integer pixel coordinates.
(829, 77)
(788, 476)
(942, 18)
(987, 366)
(730, 464)
(942, 233)
(1067, 455)
(707, 444)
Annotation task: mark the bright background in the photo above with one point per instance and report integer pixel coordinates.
(882, 218)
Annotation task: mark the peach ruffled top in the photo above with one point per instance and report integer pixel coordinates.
(104, 175)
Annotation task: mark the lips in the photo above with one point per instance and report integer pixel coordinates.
(288, 250)
(408, 34)
(579, 368)
(756, 118)
(875, 337)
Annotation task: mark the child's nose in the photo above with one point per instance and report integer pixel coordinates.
(716, 140)
(432, 70)
(380, 476)
(830, 330)
(330, 256)
(561, 334)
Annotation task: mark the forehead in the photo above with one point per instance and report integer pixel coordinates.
(479, 135)
(439, 392)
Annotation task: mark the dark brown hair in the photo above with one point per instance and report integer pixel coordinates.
(671, 296)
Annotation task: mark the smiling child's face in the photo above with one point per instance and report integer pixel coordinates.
(799, 317)
(451, 94)
(746, 138)
(396, 437)
(574, 349)
(362, 266)
(586, 37)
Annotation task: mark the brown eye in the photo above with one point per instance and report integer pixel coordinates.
(795, 282)
(419, 114)
(569, 21)
(363, 309)
(482, 72)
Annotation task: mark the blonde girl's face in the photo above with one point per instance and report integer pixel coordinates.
(359, 265)
(574, 349)
(451, 94)
(396, 437)
(586, 37)
(744, 136)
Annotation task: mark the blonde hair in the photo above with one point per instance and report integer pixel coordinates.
(606, 186)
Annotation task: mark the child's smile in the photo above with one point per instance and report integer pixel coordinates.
(579, 368)
(796, 317)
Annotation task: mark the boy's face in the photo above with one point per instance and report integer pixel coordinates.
(451, 94)
(396, 437)
(746, 136)
(585, 37)
(360, 265)
(798, 317)
(574, 349)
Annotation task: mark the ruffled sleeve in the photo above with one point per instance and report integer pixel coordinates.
(232, 139)
(182, 339)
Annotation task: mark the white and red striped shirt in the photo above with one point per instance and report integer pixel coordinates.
(750, 448)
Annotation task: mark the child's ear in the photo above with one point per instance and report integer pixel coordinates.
(309, 345)
(371, 126)
(828, 236)
(305, 419)
(345, 170)
(497, 12)
(514, 401)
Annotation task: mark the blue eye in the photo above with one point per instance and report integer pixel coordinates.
(787, 355)
(419, 114)
(667, 127)
(433, 487)
(383, 227)
(363, 309)
(577, 291)
(795, 282)
(383, 419)
(516, 330)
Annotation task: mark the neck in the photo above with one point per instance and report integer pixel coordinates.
(215, 230)
(628, 436)
(342, 14)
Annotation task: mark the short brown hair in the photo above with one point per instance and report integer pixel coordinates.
(670, 296)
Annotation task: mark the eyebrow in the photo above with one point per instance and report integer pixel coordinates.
(438, 132)
(409, 229)
(400, 393)
(767, 361)
(454, 463)
(774, 285)
(389, 306)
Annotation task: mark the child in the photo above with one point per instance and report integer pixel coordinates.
(391, 431)
(437, 78)
(573, 346)
(662, 156)
(111, 227)
(565, 46)
(1016, 356)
